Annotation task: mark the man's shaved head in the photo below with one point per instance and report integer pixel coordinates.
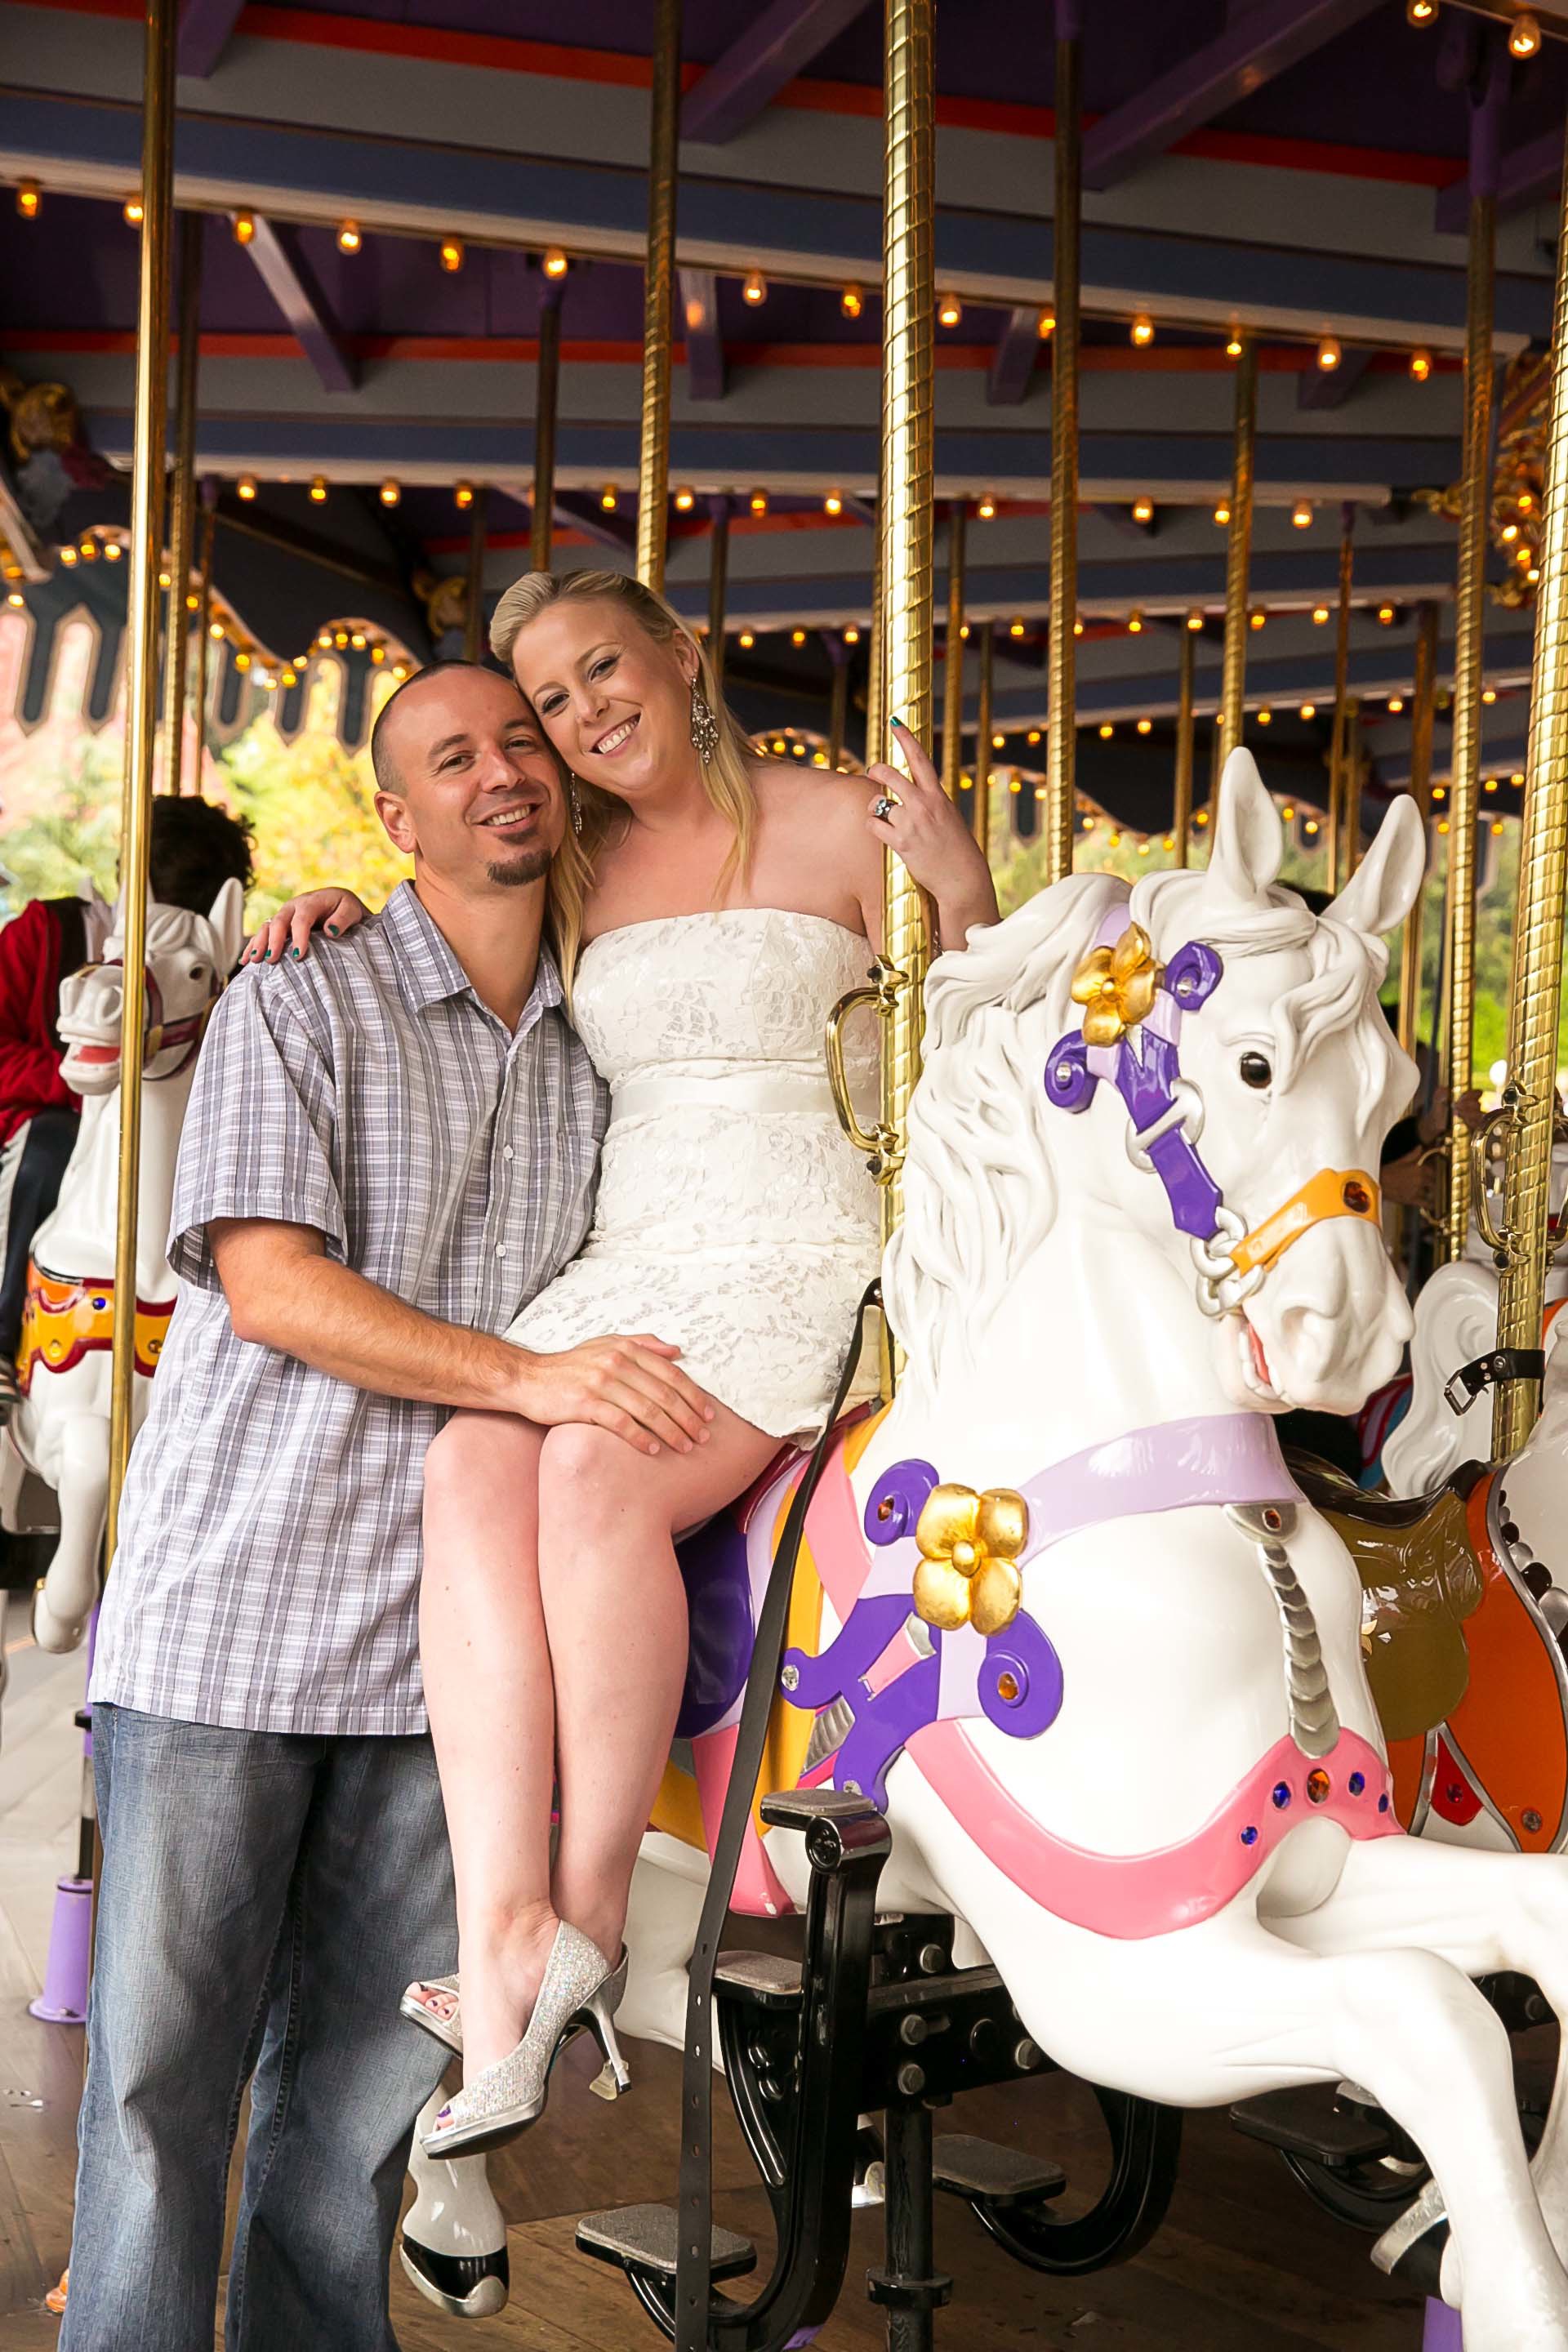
(383, 734)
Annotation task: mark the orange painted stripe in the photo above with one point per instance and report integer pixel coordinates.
(499, 53)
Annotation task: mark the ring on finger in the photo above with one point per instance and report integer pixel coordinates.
(883, 806)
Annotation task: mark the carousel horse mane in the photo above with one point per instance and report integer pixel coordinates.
(980, 1175)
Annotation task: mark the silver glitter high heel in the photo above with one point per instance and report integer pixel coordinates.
(446, 2030)
(579, 1990)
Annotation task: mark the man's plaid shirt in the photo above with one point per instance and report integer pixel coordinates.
(269, 1532)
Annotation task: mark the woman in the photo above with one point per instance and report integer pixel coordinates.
(707, 908)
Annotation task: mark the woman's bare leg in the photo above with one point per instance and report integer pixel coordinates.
(616, 1610)
(485, 1662)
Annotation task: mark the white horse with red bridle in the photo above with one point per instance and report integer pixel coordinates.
(60, 1429)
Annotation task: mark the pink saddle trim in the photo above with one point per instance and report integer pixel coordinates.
(1130, 1895)
(758, 1892)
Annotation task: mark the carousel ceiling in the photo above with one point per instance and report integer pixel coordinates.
(408, 175)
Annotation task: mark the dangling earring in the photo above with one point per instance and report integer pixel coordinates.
(704, 726)
(574, 797)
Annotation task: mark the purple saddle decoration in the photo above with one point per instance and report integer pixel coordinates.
(715, 1566)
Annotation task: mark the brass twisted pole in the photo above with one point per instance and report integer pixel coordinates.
(1061, 725)
(1470, 670)
(1341, 678)
(1423, 701)
(1181, 811)
(719, 587)
(952, 667)
(984, 830)
(546, 396)
(909, 303)
(1238, 556)
(1350, 796)
(1535, 997)
(204, 642)
(182, 504)
(658, 297)
(875, 709)
(141, 714)
(474, 582)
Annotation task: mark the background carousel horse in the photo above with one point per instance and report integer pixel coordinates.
(60, 1430)
(1111, 1694)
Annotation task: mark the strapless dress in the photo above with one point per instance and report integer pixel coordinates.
(734, 1219)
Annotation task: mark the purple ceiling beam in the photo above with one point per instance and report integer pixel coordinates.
(1319, 387)
(745, 80)
(291, 283)
(205, 28)
(1013, 362)
(704, 344)
(1264, 40)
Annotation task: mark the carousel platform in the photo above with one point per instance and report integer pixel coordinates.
(1245, 2263)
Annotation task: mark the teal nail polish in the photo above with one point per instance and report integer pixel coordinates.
(332, 931)
(294, 951)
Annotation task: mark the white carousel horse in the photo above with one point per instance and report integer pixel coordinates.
(60, 1430)
(1111, 1689)
(1455, 1322)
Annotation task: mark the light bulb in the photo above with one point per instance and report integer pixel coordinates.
(245, 485)
(851, 636)
(133, 212)
(1385, 615)
(1524, 35)
(607, 497)
(1142, 330)
(451, 251)
(1257, 620)
(1106, 730)
(1134, 624)
(389, 492)
(1420, 365)
(1301, 515)
(1016, 629)
(754, 287)
(317, 489)
(463, 495)
(797, 636)
(948, 310)
(1396, 704)
(1420, 11)
(1144, 725)
(1046, 324)
(1309, 710)
(759, 502)
(986, 507)
(1222, 512)
(1330, 353)
(244, 228)
(29, 197)
(555, 263)
(349, 238)
(833, 504)
(852, 302)
(745, 641)
(1142, 509)
(1194, 620)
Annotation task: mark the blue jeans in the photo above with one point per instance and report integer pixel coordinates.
(266, 1896)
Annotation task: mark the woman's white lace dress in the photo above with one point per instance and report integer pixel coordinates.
(734, 1219)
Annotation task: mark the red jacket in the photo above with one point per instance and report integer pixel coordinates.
(30, 1051)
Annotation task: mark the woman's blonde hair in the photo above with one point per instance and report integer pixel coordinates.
(727, 777)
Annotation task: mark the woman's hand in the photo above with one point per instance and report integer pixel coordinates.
(290, 930)
(933, 841)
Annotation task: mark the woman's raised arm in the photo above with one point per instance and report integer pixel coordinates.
(289, 932)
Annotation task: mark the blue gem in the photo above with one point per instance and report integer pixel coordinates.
(1383, 1804)
(1357, 1784)
(1281, 1794)
(1249, 1837)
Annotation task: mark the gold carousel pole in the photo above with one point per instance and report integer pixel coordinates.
(719, 587)
(1061, 725)
(953, 667)
(983, 828)
(1534, 1002)
(182, 504)
(909, 306)
(1469, 660)
(839, 707)
(876, 668)
(547, 394)
(1342, 675)
(1350, 797)
(1423, 699)
(474, 585)
(1181, 813)
(658, 297)
(142, 697)
(1238, 557)
(204, 643)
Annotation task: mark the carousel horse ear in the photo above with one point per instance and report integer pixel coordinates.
(1382, 890)
(1248, 838)
(227, 916)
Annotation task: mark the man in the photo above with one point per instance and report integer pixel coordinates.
(196, 847)
(376, 1173)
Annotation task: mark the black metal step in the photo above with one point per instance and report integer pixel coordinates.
(644, 2238)
(986, 2169)
(1313, 2121)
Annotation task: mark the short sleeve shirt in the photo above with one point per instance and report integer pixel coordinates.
(268, 1569)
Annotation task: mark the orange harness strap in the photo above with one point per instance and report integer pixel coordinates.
(1331, 1192)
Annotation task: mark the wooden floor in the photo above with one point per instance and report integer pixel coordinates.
(1245, 2263)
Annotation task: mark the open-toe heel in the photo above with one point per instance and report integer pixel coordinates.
(579, 1990)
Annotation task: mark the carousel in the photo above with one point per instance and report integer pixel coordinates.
(1111, 1855)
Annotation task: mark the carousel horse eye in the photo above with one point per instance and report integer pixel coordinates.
(196, 970)
(1257, 1070)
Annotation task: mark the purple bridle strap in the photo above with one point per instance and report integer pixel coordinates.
(1144, 1066)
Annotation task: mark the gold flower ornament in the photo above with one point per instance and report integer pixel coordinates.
(969, 1545)
(1116, 986)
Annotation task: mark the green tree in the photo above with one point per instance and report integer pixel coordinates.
(312, 807)
(72, 829)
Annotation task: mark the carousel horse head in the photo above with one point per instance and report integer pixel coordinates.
(1200, 1062)
(188, 959)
